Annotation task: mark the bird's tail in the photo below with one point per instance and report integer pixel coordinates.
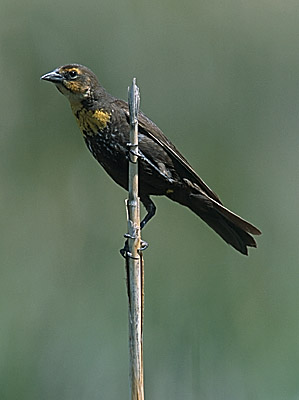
(232, 228)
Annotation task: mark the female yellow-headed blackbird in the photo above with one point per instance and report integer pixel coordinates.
(104, 122)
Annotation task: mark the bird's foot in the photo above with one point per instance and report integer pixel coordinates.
(143, 245)
(125, 250)
(126, 253)
(132, 152)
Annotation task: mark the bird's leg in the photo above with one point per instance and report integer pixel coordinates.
(150, 208)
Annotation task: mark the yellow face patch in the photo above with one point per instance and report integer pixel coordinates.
(75, 87)
(79, 85)
(91, 122)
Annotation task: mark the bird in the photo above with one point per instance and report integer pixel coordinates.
(163, 171)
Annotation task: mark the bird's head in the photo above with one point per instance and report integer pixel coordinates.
(75, 81)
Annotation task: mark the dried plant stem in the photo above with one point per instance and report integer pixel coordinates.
(134, 260)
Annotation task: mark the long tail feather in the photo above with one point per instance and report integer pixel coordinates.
(232, 228)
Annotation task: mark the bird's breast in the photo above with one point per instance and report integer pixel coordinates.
(91, 122)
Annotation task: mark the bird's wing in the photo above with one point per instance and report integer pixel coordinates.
(150, 129)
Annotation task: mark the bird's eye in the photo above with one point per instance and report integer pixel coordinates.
(73, 74)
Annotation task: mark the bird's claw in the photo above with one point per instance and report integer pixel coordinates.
(128, 236)
(125, 250)
(143, 246)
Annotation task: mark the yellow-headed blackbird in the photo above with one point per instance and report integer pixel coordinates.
(104, 122)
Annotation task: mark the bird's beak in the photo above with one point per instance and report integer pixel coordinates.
(53, 76)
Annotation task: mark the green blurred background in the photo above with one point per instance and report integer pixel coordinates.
(222, 80)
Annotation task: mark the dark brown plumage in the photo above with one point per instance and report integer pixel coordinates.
(104, 122)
